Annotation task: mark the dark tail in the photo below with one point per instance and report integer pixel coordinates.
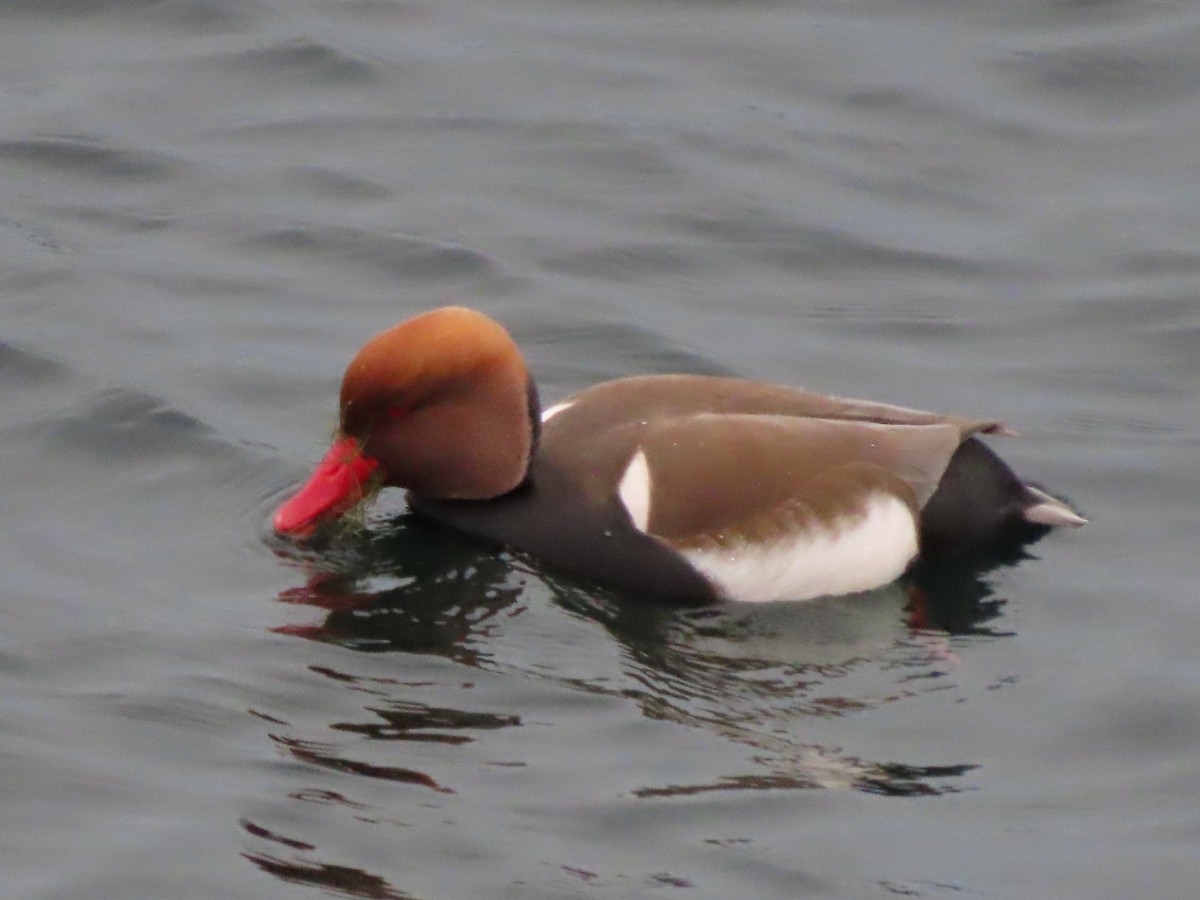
(980, 502)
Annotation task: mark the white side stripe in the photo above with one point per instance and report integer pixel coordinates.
(863, 553)
(634, 490)
(556, 409)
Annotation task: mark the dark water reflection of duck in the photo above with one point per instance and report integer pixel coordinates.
(752, 674)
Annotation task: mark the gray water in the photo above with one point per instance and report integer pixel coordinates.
(206, 206)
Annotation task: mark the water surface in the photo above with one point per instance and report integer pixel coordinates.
(207, 205)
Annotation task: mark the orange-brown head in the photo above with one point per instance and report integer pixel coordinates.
(441, 404)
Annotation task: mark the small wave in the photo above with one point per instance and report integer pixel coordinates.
(130, 220)
(337, 185)
(796, 247)
(623, 263)
(87, 156)
(1153, 68)
(21, 368)
(637, 349)
(191, 15)
(113, 424)
(119, 423)
(411, 258)
(300, 59)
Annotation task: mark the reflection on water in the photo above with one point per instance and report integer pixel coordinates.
(759, 677)
(409, 589)
(752, 675)
(340, 879)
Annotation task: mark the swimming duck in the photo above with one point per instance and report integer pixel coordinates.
(684, 488)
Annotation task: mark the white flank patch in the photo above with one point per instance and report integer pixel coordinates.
(862, 553)
(556, 409)
(634, 490)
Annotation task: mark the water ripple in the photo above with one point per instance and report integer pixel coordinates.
(88, 156)
(751, 676)
(1150, 69)
(299, 59)
(623, 262)
(793, 246)
(400, 255)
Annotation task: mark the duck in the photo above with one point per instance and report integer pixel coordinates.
(688, 489)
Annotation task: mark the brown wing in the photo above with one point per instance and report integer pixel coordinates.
(710, 472)
(647, 398)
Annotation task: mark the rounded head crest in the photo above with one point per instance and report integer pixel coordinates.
(436, 353)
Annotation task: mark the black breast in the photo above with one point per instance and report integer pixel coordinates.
(551, 519)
